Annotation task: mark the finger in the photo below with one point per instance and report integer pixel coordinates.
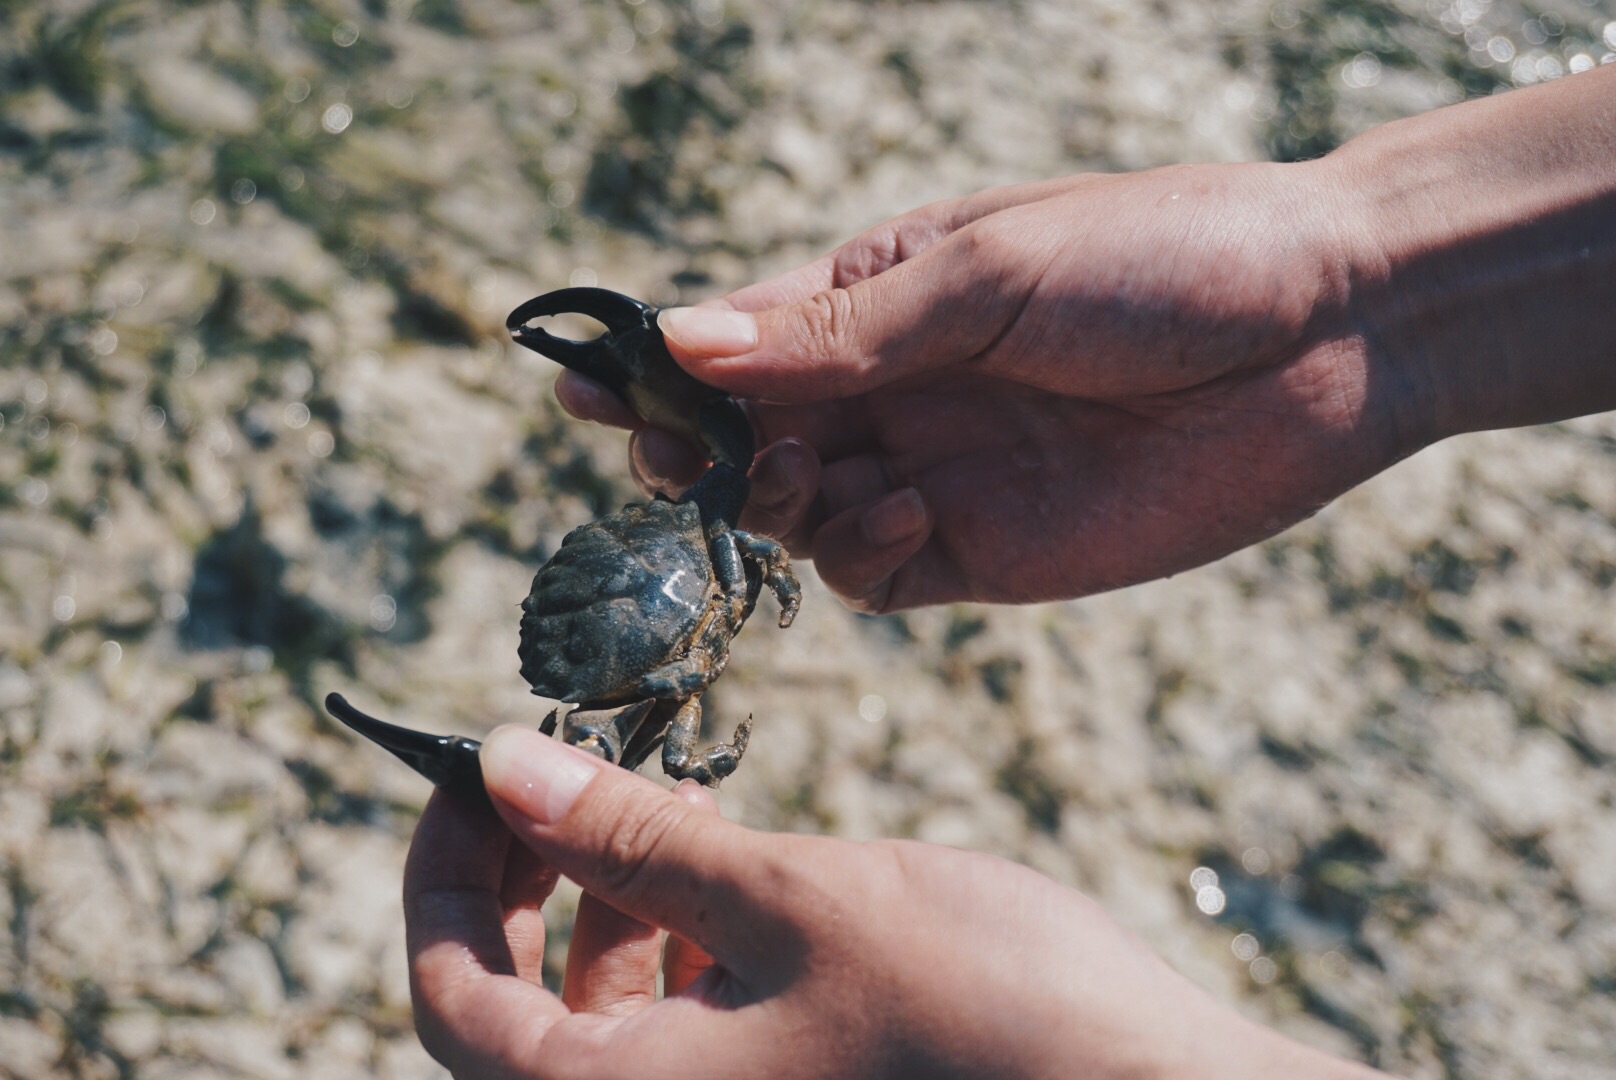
(833, 428)
(858, 551)
(911, 235)
(938, 413)
(476, 1019)
(683, 962)
(642, 850)
(472, 1014)
(661, 462)
(785, 479)
(527, 884)
(787, 288)
(927, 578)
(452, 882)
(884, 246)
(871, 252)
(943, 307)
(587, 399)
(612, 961)
(854, 481)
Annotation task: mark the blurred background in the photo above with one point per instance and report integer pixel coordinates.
(262, 436)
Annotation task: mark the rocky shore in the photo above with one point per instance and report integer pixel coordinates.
(262, 437)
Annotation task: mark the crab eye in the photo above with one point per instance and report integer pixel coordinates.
(571, 326)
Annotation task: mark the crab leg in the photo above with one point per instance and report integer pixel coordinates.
(648, 737)
(682, 678)
(680, 759)
(731, 574)
(605, 732)
(777, 574)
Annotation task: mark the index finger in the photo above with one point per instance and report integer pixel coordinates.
(683, 962)
(786, 288)
(587, 399)
(472, 1011)
(871, 252)
(883, 246)
(478, 1019)
(644, 851)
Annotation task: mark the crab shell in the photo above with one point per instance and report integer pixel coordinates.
(622, 597)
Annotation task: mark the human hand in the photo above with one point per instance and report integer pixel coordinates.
(806, 956)
(1048, 390)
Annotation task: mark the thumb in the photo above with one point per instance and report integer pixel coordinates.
(643, 850)
(945, 306)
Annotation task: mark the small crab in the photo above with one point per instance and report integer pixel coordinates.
(632, 618)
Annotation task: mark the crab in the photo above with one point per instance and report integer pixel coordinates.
(631, 619)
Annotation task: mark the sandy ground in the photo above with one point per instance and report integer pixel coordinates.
(262, 438)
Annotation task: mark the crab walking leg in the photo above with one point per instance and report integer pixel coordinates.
(605, 732)
(647, 738)
(777, 573)
(731, 574)
(682, 678)
(680, 759)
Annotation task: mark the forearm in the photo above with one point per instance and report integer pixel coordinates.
(1481, 254)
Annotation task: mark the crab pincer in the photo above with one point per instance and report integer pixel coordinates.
(631, 620)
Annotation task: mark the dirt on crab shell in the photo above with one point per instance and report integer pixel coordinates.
(262, 435)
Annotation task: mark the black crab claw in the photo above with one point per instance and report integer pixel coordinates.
(449, 761)
(631, 359)
(624, 316)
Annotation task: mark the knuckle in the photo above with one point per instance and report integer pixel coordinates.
(985, 240)
(827, 322)
(876, 603)
(433, 1032)
(830, 344)
(860, 589)
(864, 258)
(630, 852)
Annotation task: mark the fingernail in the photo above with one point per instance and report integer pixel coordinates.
(710, 331)
(645, 466)
(774, 487)
(666, 459)
(898, 517)
(534, 773)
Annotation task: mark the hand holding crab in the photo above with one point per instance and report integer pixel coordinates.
(1048, 390)
(632, 618)
(787, 955)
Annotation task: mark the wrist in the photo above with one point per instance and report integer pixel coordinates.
(1478, 244)
(1232, 1047)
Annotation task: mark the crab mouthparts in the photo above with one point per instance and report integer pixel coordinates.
(449, 761)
